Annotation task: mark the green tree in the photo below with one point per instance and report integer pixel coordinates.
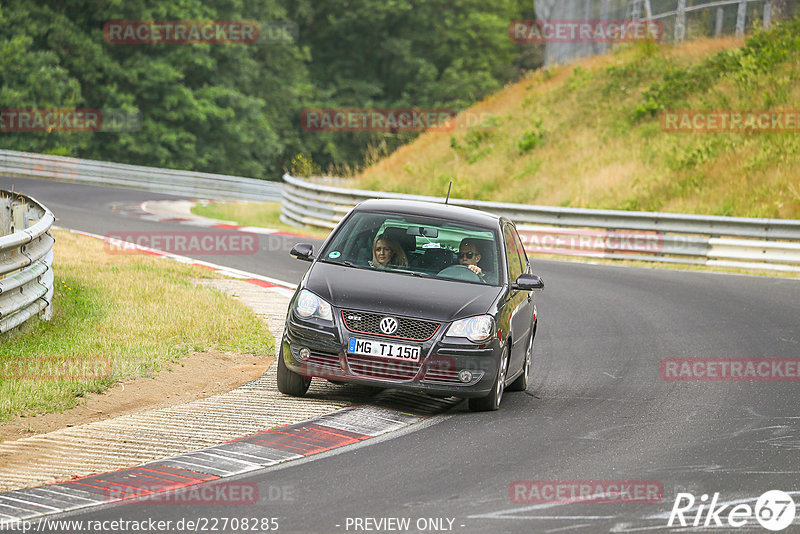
(235, 109)
(405, 53)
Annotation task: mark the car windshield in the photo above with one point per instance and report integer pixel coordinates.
(417, 246)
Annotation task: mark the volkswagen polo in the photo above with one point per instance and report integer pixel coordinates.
(415, 295)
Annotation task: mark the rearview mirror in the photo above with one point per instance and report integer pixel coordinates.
(303, 251)
(418, 231)
(528, 282)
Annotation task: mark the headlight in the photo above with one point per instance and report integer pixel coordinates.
(477, 329)
(309, 305)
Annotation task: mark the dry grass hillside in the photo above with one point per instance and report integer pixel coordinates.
(589, 134)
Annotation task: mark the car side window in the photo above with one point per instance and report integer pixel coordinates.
(514, 264)
(523, 256)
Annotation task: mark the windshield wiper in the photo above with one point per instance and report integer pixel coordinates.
(345, 263)
(417, 274)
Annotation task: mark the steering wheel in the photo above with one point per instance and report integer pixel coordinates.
(459, 272)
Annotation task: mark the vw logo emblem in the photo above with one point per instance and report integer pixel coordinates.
(388, 325)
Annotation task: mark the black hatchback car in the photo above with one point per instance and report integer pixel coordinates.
(414, 295)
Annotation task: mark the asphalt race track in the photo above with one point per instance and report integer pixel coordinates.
(597, 409)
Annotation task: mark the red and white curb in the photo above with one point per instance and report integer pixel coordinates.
(273, 284)
(348, 426)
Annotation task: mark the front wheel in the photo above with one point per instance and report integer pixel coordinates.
(491, 402)
(289, 382)
(521, 383)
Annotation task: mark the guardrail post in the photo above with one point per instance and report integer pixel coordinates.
(741, 18)
(767, 14)
(5, 215)
(636, 10)
(19, 221)
(680, 21)
(19, 216)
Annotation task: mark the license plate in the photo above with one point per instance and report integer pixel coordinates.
(368, 347)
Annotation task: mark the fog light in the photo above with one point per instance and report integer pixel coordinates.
(465, 376)
(303, 354)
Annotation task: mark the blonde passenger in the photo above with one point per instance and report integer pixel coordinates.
(386, 252)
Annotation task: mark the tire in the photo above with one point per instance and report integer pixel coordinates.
(491, 402)
(521, 382)
(289, 382)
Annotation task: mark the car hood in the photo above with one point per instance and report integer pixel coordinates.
(380, 291)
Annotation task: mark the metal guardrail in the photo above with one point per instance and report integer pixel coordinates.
(26, 260)
(186, 183)
(624, 235)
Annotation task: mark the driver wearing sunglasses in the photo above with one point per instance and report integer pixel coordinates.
(468, 256)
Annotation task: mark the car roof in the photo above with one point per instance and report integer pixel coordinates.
(431, 209)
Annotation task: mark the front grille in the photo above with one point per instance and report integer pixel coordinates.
(381, 368)
(369, 323)
(441, 370)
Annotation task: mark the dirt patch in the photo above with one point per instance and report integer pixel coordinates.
(199, 375)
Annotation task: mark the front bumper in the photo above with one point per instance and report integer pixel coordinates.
(449, 367)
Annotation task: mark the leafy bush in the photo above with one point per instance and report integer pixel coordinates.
(747, 66)
(472, 146)
(532, 138)
(303, 165)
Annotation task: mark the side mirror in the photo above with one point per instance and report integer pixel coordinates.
(303, 251)
(528, 282)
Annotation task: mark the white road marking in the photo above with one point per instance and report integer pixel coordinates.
(506, 514)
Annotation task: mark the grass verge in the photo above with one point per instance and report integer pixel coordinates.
(261, 214)
(116, 317)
